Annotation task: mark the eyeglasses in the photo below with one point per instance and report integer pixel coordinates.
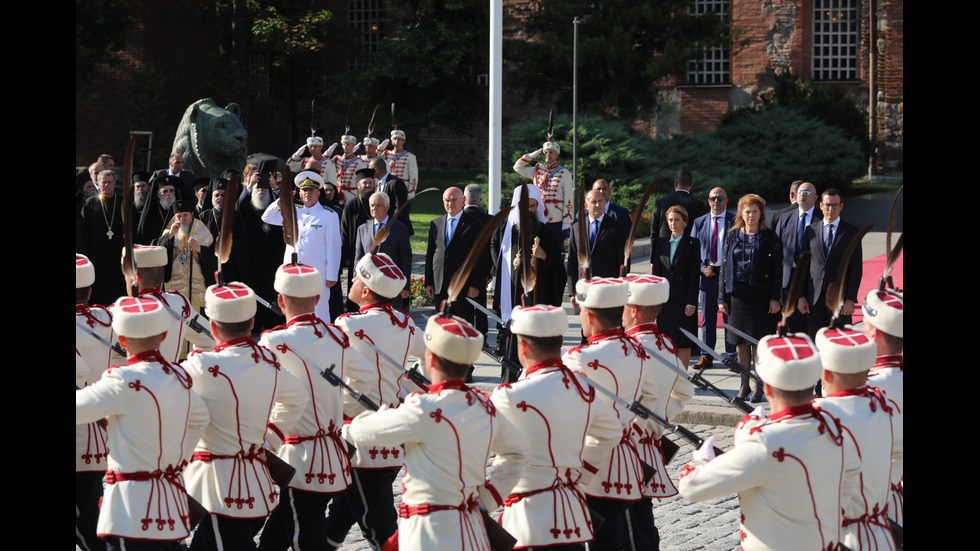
(804, 192)
(717, 198)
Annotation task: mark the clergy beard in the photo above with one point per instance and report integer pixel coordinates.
(184, 231)
(260, 201)
(165, 203)
(139, 199)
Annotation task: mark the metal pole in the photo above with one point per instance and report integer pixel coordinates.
(496, 100)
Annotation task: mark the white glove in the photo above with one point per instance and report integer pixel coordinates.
(759, 412)
(356, 147)
(384, 145)
(384, 407)
(706, 451)
(330, 149)
(299, 153)
(532, 155)
(402, 392)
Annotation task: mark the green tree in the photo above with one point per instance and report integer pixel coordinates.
(624, 48)
(100, 32)
(826, 103)
(430, 66)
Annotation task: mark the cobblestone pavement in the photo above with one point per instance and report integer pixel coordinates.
(683, 525)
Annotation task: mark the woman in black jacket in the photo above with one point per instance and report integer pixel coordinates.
(677, 259)
(750, 281)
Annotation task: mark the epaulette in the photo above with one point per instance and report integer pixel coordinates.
(276, 328)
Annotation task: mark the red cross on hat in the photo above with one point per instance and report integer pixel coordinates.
(790, 348)
(644, 279)
(387, 267)
(230, 292)
(138, 305)
(297, 269)
(605, 281)
(894, 300)
(846, 337)
(539, 308)
(457, 327)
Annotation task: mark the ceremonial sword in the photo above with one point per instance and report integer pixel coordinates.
(193, 324)
(413, 373)
(115, 347)
(698, 380)
(731, 363)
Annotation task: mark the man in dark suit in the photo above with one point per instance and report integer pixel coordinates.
(681, 196)
(790, 228)
(451, 238)
(396, 244)
(614, 211)
(176, 168)
(472, 195)
(792, 202)
(356, 212)
(395, 188)
(710, 230)
(827, 240)
(606, 243)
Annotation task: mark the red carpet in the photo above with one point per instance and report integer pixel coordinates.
(872, 271)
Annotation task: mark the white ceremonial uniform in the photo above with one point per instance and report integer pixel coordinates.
(90, 439)
(327, 169)
(888, 375)
(449, 434)
(154, 421)
(243, 387)
(394, 332)
(613, 362)
(792, 475)
(556, 416)
(873, 428)
(671, 394)
(313, 445)
(177, 332)
(346, 168)
(556, 186)
(402, 164)
(318, 245)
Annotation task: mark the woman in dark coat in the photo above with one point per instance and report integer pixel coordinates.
(750, 281)
(677, 259)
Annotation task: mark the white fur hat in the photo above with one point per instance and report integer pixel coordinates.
(307, 175)
(788, 363)
(347, 138)
(84, 271)
(369, 140)
(647, 290)
(602, 292)
(398, 134)
(886, 311)
(846, 350)
(380, 273)
(551, 145)
(453, 339)
(298, 280)
(540, 320)
(139, 317)
(229, 303)
(148, 256)
(314, 140)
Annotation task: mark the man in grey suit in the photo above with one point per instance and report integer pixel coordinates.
(710, 230)
(791, 227)
(396, 244)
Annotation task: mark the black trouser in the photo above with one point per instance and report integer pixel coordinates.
(369, 502)
(88, 492)
(300, 521)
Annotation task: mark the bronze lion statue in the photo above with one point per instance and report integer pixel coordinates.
(211, 139)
